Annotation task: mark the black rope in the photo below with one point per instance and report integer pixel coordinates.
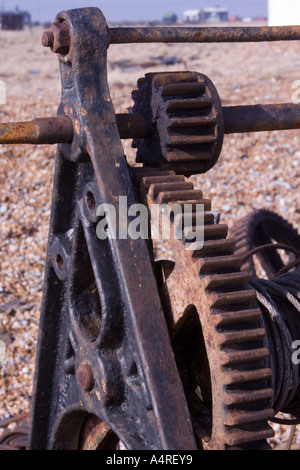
(279, 301)
(285, 269)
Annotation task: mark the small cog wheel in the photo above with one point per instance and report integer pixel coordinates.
(185, 111)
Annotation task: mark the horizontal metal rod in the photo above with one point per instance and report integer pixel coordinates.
(203, 34)
(58, 130)
(237, 119)
(53, 130)
(258, 117)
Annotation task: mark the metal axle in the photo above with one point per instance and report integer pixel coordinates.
(203, 34)
(59, 41)
(237, 119)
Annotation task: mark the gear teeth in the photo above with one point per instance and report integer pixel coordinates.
(215, 247)
(157, 188)
(191, 121)
(209, 232)
(235, 418)
(236, 337)
(165, 79)
(220, 264)
(223, 300)
(237, 398)
(186, 111)
(191, 140)
(180, 195)
(225, 281)
(234, 325)
(193, 204)
(259, 228)
(234, 357)
(149, 180)
(238, 438)
(228, 318)
(182, 221)
(185, 104)
(185, 139)
(184, 89)
(239, 245)
(179, 155)
(141, 173)
(244, 376)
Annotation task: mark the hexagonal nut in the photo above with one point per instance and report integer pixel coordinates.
(61, 33)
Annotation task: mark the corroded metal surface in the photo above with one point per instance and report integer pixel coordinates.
(52, 130)
(203, 34)
(139, 125)
(96, 435)
(186, 115)
(257, 118)
(102, 334)
(217, 332)
(179, 35)
(57, 38)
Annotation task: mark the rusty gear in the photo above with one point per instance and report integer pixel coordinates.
(217, 333)
(262, 227)
(185, 111)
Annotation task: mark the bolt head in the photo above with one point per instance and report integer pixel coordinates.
(48, 39)
(58, 38)
(85, 377)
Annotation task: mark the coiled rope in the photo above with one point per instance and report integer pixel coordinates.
(279, 301)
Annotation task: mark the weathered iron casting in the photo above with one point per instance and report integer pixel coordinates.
(133, 349)
(103, 338)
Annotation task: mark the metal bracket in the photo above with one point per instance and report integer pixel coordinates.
(104, 351)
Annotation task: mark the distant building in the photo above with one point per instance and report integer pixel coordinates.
(191, 16)
(14, 20)
(285, 13)
(209, 14)
(215, 14)
(170, 18)
(26, 18)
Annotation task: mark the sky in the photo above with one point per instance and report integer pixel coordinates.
(134, 10)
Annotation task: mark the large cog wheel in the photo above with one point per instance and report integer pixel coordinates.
(217, 333)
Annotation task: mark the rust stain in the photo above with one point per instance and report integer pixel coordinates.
(77, 126)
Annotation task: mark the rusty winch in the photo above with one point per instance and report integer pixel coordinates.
(138, 350)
